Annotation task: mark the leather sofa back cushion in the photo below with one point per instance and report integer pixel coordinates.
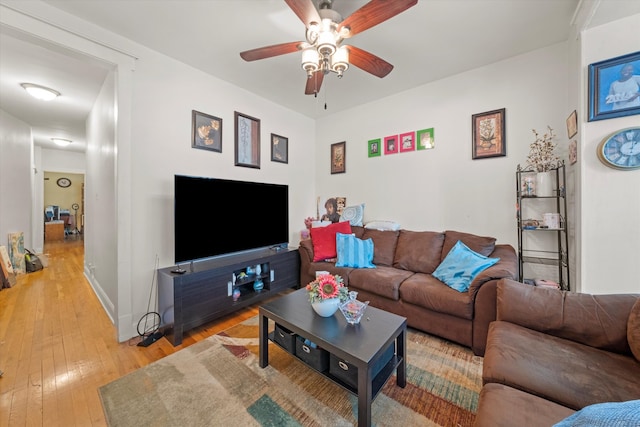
(595, 320)
(418, 251)
(384, 245)
(633, 330)
(480, 244)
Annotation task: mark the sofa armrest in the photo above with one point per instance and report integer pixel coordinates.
(506, 268)
(598, 321)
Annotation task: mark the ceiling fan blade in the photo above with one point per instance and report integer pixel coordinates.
(373, 13)
(368, 62)
(305, 10)
(314, 83)
(270, 51)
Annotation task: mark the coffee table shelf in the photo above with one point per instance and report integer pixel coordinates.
(377, 383)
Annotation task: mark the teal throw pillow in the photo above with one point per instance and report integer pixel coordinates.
(461, 266)
(622, 414)
(354, 252)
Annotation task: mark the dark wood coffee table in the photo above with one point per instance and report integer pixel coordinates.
(361, 345)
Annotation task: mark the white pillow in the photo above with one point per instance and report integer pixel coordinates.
(353, 214)
(383, 225)
(315, 224)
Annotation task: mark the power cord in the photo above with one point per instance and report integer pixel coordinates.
(150, 333)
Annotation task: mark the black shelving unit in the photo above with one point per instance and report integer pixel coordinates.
(534, 247)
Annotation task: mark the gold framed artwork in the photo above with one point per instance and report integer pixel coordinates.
(338, 157)
(206, 131)
(572, 124)
(488, 130)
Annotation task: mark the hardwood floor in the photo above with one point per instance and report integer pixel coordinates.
(57, 345)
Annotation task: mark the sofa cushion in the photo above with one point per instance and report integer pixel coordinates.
(324, 239)
(418, 251)
(461, 266)
(482, 245)
(384, 281)
(384, 245)
(502, 406)
(354, 252)
(426, 291)
(563, 371)
(633, 330)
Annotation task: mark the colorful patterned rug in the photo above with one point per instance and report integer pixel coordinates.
(217, 381)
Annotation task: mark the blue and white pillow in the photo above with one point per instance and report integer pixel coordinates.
(353, 214)
(461, 266)
(354, 252)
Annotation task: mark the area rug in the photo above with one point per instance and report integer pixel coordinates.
(218, 382)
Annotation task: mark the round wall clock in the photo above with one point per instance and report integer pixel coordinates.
(621, 150)
(64, 182)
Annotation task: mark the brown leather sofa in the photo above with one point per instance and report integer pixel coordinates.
(402, 282)
(551, 353)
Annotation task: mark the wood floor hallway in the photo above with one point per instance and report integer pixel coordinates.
(57, 345)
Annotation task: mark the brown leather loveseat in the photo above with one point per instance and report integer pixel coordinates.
(402, 282)
(551, 353)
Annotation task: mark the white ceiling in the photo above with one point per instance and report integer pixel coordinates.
(431, 40)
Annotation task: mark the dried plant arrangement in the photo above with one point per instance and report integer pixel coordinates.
(542, 155)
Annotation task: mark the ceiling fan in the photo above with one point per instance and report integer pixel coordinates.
(323, 51)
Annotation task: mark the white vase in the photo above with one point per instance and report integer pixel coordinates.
(326, 307)
(544, 184)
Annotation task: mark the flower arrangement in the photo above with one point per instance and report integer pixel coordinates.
(541, 156)
(308, 221)
(327, 286)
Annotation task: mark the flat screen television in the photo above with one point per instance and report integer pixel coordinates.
(215, 217)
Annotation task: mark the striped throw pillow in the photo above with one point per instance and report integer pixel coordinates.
(354, 252)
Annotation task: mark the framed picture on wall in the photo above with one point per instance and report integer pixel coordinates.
(206, 131)
(279, 148)
(338, 157)
(407, 142)
(374, 147)
(391, 144)
(572, 124)
(614, 87)
(488, 134)
(247, 141)
(425, 139)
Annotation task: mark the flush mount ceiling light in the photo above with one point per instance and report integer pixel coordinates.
(322, 51)
(40, 92)
(61, 142)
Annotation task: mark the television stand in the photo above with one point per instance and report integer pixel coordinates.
(216, 287)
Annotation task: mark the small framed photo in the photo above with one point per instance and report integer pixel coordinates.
(572, 124)
(374, 147)
(488, 134)
(279, 148)
(425, 139)
(338, 157)
(247, 141)
(407, 142)
(206, 131)
(573, 151)
(614, 87)
(391, 144)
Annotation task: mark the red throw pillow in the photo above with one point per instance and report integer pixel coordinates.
(324, 239)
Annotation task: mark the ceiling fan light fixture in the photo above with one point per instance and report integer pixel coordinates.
(61, 142)
(310, 60)
(340, 60)
(40, 92)
(327, 39)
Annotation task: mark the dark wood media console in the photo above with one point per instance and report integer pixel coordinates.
(206, 291)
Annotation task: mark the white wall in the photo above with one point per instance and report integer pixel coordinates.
(610, 208)
(16, 170)
(444, 188)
